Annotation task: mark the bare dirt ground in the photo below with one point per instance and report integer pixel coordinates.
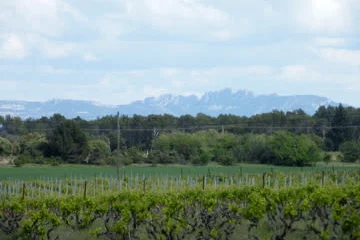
(6, 160)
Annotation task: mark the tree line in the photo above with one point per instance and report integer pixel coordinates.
(282, 138)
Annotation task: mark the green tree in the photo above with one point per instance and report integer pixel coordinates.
(350, 151)
(177, 147)
(34, 143)
(135, 155)
(69, 142)
(5, 147)
(14, 125)
(292, 150)
(252, 148)
(339, 131)
(33, 146)
(98, 151)
(223, 150)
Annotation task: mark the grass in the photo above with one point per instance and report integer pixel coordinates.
(28, 172)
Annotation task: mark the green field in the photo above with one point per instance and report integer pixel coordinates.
(29, 172)
(239, 202)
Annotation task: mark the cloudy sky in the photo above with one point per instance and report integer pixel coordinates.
(117, 51)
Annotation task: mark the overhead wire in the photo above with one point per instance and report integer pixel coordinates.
(207, 127)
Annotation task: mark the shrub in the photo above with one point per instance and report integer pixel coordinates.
(5, 147)
(292, 150)
(350, 151)
(202, 159)
(327, 158)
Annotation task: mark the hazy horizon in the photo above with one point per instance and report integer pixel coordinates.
(119, 51)
(197, 95)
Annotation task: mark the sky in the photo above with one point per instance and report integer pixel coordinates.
(118, 51)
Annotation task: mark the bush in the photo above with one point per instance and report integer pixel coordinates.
(292, 150)
(125, 160)
(18, 162)
(109, 160)
(23, 159)
(327, 158)
(34, 144)
(54, 161)
(135, 155)
(202, 159)
(98, 149)
(5, 147)
(350, 151)
(252, 149)
(224, 157)
(39, 160)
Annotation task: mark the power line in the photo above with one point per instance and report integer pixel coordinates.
(218, 127)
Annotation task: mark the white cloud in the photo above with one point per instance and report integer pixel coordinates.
(181, 46)
(345, 56)
(38, 24)
(50, 48)
(252, 70)
(150, 91)
(72, 11)
(169, 72)
(182, 11)
(57, 50)
(40, 16)
(90, 57)
(299, 73)
(329, 42)
(12, 47)
(7, 85)
(30, 70)
(178, 84)
(46, 17)
(324, 15)
(110, 26)
(105, 82)
(181, 17)
(48, 69)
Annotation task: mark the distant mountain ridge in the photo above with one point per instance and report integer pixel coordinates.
(243, 103)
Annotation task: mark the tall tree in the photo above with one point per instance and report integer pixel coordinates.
(69, 142)
(339, 128)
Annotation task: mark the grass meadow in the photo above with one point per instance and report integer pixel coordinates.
(30, 172)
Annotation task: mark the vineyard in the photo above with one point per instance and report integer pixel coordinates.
(303, 205)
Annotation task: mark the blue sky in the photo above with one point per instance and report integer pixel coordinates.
(118, 51)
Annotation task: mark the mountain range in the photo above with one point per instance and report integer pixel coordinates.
(226, 101)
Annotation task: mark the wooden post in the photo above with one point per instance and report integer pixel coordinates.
(85, 186)
(203, 183)
(144, 185)
(23, 191)
(263, 179)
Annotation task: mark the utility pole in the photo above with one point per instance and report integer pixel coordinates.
(118, 147)
(154, 136)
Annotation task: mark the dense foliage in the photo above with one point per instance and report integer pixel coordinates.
(309, 212)
(350, 151)
(291, 138)
(68, 142)
(5, 147)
